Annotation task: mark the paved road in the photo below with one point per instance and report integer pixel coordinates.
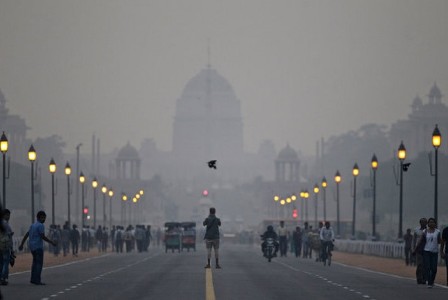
(245, 275)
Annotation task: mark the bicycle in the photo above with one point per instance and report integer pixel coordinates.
(326, 253)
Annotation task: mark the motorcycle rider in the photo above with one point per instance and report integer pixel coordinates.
(269, 233)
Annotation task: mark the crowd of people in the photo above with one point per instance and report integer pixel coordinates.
(65, 240)
(118, 239)
(302, 242)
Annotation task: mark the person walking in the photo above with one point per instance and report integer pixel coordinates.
(444, 246)
(211, 236)
(74, 239)
(283, 238)
(431, 239)
(407, 246)
(36, 235)
(297, 239)
(420, 270)
(6, 251)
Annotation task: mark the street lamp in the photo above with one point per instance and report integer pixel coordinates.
(32, 155)
(401, 157)
(374, 164)
(436, 142)
(302, 197)
(82, 180)
(124, 198)
(4, 149)
(111, 194)
(306, 195)
(52, 169)
(337, 179)
(104, 191)
(68, 171)
(355, 173)
(76, 181)
(324, 189)
(316, 193)
(94, 186)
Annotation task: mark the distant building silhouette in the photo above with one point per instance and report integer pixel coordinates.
(416, 131)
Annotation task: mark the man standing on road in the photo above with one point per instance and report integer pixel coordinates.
(36, 233)
(212, 236)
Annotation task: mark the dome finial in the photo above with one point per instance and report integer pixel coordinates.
(208, 54)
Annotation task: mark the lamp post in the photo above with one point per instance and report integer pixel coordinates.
(82, 180)
(374, 164)
(306, 196)
(4, 149)
(134, 209)
(68, 171)
(337, 179)
(324, 190)
(32, 155)
(436, 142)
(316, 193)
(111, 194)
(104, 191)
(124, 198)
(94, 186)
(355, 173)
(77, 183)
(401, 157)
(52, 169)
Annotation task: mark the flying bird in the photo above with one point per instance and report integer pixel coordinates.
(212, 164)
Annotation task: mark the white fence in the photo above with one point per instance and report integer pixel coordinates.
(383, 249)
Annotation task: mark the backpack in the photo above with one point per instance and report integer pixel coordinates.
(118, 237)
(5, 241)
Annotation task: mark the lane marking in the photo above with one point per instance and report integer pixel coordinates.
(209, 289)
(98, 277)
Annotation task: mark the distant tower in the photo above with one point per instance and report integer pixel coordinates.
(128, 163)
(435, 96)
(287, 165)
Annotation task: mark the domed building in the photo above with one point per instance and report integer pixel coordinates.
(128, 163)
(416, 131)
(15, 129)
(287, 165)
(208, 122)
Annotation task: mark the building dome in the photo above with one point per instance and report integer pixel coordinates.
(208, 80)
(288, 154)
(128, 152)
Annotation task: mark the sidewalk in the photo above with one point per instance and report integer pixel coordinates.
(24, 260)
(385, 265)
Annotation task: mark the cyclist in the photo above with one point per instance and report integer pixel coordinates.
(327, 239)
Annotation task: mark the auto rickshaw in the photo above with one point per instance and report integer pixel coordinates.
(189, 236)
(172, 236)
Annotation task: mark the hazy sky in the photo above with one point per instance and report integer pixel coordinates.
(302, 69)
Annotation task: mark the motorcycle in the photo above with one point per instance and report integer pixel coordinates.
(270, 249)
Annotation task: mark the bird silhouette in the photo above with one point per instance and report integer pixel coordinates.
(212, 164)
